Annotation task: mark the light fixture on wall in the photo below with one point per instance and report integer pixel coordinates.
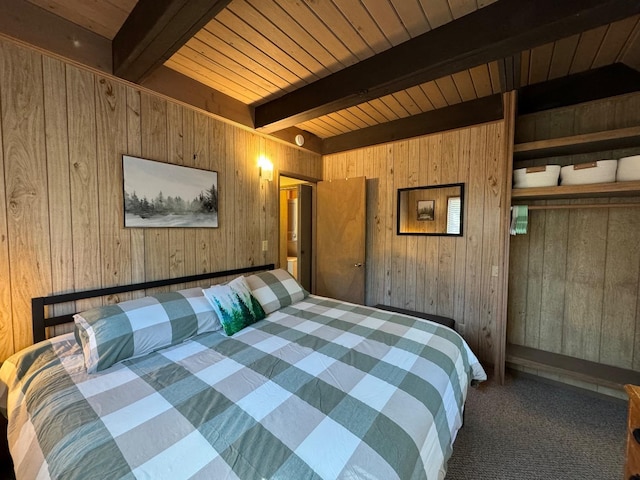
(299, 139)
(266, 168)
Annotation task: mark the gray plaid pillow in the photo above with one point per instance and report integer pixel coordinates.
(113, 333)
(275, 289)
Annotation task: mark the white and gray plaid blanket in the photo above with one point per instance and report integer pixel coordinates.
(319, 389)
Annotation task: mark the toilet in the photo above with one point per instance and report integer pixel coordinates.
(292, 266)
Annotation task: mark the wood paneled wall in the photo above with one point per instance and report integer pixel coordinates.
(574, 279)
(574, 283)
(63, 130)
(450, 276)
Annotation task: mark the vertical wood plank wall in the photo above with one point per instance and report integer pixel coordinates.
(63, 130)
(574, 279)
(450, 276)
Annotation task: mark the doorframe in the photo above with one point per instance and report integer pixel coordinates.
(313, 182)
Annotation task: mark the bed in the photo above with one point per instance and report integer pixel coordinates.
(317, 389)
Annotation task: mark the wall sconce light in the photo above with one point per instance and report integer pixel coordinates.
(299, 139)
(266, 168)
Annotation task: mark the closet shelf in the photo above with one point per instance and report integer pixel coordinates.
(616, 189)
(584, 143)
(585, 370)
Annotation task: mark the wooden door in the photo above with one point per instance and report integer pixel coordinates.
(340, 241)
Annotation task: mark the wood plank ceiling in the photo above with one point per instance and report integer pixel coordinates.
(314, 39)
(256, 51)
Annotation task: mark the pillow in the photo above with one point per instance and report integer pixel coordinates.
(234, 304)
(275, 289)
(113, 333)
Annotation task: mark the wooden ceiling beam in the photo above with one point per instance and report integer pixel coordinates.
(175, 85)
(155, 30)
(603, 82)
(496, 31)
(465, 114)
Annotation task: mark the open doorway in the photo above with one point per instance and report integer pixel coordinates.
(295, 230)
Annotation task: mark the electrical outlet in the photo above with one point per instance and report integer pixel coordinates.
(494, 270)
(265, 245)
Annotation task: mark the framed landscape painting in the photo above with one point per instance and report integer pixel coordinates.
(158, 194)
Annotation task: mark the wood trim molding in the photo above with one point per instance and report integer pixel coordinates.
(510, 101)
(627, 137)
(509, 70)
(467, 42)
(474, 112)
(36, 26)
(585, 370)
(155, 30)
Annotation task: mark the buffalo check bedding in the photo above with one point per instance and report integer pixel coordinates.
(320, 389)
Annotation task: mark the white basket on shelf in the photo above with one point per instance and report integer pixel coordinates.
(628, 169)
(542, 176)
(601, 171)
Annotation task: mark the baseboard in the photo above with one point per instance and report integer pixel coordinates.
(584, 391)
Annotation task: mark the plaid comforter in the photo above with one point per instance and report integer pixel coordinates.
(319, 389)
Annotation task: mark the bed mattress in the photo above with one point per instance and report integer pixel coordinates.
(319, 389)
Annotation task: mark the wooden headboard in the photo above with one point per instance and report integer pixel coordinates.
(41, 322)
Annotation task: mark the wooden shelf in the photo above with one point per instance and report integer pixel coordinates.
(616, 189)
(588, 142)
(587, 371)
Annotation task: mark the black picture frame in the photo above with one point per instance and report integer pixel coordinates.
(435, 218)
(165, 195)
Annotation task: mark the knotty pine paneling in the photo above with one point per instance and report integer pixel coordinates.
(55, 117)
(6, 325)
(448, 276)
(63, 131)
(111, 141)
(175, 151)
(134, 147)
(25, 189)
(153, 116)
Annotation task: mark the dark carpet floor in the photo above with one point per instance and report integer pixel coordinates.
(529, 429)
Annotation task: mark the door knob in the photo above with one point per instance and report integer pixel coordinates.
(358, 265)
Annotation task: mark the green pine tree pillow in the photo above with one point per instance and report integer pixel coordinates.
(235, 306)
